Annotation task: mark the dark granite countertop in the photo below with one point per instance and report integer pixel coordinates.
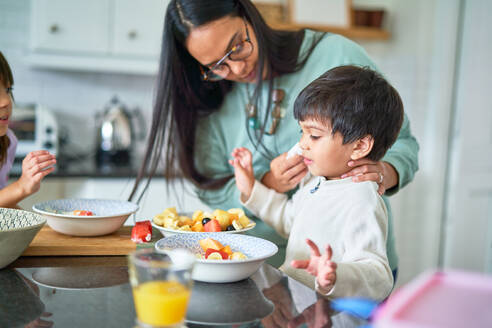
(94, 292)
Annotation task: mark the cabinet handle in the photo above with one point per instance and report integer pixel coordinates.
(132, 34)
(54, 28)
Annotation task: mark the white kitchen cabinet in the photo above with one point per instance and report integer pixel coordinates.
(70, 26)
(138, 29)
(97, 35)
(155, 200)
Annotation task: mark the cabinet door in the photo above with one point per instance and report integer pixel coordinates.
(138, 27)
(74, 26)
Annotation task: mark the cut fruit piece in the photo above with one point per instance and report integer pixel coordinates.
(197, 227)
(210, 251)
(238, 256)
(237, 211)
(223, 217)
(227, 249)
(237, 225)
(184, 228)
(210, 243)
(212, 226)
(214, 256)
(184, 220)
(244, 220)
(197, 216)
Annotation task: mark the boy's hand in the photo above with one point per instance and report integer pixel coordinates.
(35, 167)
(243, 171)
(285, 174)
(319, 265)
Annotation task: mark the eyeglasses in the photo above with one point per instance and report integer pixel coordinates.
(239, 52)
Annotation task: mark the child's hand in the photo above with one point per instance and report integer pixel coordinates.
(319, 265)
(243, 170)
(34, 169)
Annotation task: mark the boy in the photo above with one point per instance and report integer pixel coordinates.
(348, 113)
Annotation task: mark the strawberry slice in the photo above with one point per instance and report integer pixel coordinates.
(212, 226)
(142, 232)
(82, 213)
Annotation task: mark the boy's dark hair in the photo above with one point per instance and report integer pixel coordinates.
(7, 79)
(355, 101)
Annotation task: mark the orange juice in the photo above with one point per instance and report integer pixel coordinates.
(161, 303)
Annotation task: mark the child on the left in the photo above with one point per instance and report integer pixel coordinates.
(35, 166)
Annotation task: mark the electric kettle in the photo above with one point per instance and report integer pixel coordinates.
(117, 128)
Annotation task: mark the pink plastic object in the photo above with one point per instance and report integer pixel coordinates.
(439, 299)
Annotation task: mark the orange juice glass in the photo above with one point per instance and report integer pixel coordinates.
(161, 286)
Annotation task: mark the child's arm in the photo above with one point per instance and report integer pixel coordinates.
(319, 265)
(35, 166)
(363, 270)
(242, 161)
(270, 206)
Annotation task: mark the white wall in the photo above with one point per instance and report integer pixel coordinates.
(406, 59)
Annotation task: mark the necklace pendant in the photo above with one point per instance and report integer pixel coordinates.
(273, 127)
(251, 110)
(253, 123)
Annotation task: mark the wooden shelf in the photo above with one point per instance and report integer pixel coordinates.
(277, 17)
(355, 32)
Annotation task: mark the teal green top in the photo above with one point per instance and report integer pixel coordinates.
(218, 134)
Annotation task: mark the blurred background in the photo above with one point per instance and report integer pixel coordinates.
(80, 60)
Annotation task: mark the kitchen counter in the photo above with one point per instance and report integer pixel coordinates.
(94, 292)
(85, 167)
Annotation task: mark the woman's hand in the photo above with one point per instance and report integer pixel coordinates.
(35, 166)
(383, 173)
(285, 174)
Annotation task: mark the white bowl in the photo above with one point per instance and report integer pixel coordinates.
(109, 215)
(166, 232)
(17, 230)
(257, 250)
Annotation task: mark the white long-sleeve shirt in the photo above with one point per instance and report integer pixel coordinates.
(349, 216)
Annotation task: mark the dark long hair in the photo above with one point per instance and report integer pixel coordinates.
(7, 80)
(183, 98)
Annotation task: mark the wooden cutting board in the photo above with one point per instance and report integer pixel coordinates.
(51, 243)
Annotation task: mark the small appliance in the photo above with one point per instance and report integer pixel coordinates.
(118, 128)
(35, 127)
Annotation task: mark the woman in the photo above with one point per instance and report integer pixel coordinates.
(227, 80)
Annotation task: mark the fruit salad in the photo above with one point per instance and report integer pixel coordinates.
(214, 250)
(219, 220)
(82, 213)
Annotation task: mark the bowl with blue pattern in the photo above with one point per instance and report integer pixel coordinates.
(85, 217)
(17, 230)
(256, 250)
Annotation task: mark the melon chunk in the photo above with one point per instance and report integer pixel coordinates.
(210, 243)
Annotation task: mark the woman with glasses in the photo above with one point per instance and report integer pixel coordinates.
(227, 80)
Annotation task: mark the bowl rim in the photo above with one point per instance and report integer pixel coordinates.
(161, 228)
(92, 217)
(225, 262)
(43, 222)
